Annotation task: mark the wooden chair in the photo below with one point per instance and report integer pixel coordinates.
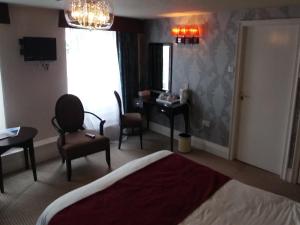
(129, 120)
(73, 141)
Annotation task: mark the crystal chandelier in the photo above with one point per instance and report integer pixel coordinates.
(90, 14)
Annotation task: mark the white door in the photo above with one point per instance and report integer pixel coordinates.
(268, 71)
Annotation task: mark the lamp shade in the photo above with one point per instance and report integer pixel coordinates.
(187, 34)
(175, 31)
(183, 31)
(193, 31)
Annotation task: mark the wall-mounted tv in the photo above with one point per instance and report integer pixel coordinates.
(38, 48)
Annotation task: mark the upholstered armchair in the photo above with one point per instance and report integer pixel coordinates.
(74, 140)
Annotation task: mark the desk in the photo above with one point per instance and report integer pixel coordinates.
(145, 104)
(24, 140)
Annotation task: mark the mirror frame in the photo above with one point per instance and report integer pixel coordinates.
(170, 64)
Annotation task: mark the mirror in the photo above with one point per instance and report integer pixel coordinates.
(160, 66)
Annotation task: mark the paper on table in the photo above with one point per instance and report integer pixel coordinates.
(9, 132)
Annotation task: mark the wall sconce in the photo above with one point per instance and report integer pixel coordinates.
(187, 34)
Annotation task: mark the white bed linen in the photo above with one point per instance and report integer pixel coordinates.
(240, 204)
(233, 204)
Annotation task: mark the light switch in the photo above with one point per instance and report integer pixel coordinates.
(230, 69)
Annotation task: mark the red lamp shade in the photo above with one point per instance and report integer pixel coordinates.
(196, 31)
(200, 31)
(183, 31)
(175, 31)
(187, 33)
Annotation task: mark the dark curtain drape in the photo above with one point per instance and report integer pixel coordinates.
(155, 65)
(128, 61)
(4, 13)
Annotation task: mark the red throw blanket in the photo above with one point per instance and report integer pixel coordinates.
(163, 193)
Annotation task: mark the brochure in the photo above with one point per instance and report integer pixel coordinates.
(9, 132)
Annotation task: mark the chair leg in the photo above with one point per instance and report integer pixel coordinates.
(107, 154)
(69, 169)
(120, 136)
(141, 136)
(61, 155)
(25, 150)
(1, 177)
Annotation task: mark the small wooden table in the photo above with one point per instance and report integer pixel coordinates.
(24, 140)
(169, 110)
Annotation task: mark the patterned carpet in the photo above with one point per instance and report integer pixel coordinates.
(24, 199)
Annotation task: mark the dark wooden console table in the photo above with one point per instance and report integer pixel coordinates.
(24, 140)
(145, 104)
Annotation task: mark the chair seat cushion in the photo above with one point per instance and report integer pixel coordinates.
(77, 144)
(132, 120)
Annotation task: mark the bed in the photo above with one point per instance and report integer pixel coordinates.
(165, 188)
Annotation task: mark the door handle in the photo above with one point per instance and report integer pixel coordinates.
(242, 97)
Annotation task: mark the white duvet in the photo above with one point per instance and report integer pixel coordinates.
(233, 204)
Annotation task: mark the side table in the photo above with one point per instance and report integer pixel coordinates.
(24, 140)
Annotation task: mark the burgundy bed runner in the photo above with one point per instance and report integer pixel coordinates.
(163, 193)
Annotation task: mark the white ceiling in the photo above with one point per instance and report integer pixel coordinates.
(161, 8)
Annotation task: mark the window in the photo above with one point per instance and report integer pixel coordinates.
(93, 72)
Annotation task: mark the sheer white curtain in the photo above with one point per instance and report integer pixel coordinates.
(93, 75)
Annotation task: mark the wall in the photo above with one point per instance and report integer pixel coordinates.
(29, 91)
(207, 67)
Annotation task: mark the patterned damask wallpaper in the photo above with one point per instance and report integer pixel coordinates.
(207, 67)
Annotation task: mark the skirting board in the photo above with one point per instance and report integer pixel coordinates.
(13, 160)
(45, 141)
(197, 143)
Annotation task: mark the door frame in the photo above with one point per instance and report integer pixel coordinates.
(289, 175)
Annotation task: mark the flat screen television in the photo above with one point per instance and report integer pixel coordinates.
(38, 48)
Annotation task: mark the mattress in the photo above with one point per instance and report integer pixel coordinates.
(233, 203)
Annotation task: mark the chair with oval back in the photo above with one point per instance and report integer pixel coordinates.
(73, 141)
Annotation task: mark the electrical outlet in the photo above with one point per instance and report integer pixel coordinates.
(205, 123)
